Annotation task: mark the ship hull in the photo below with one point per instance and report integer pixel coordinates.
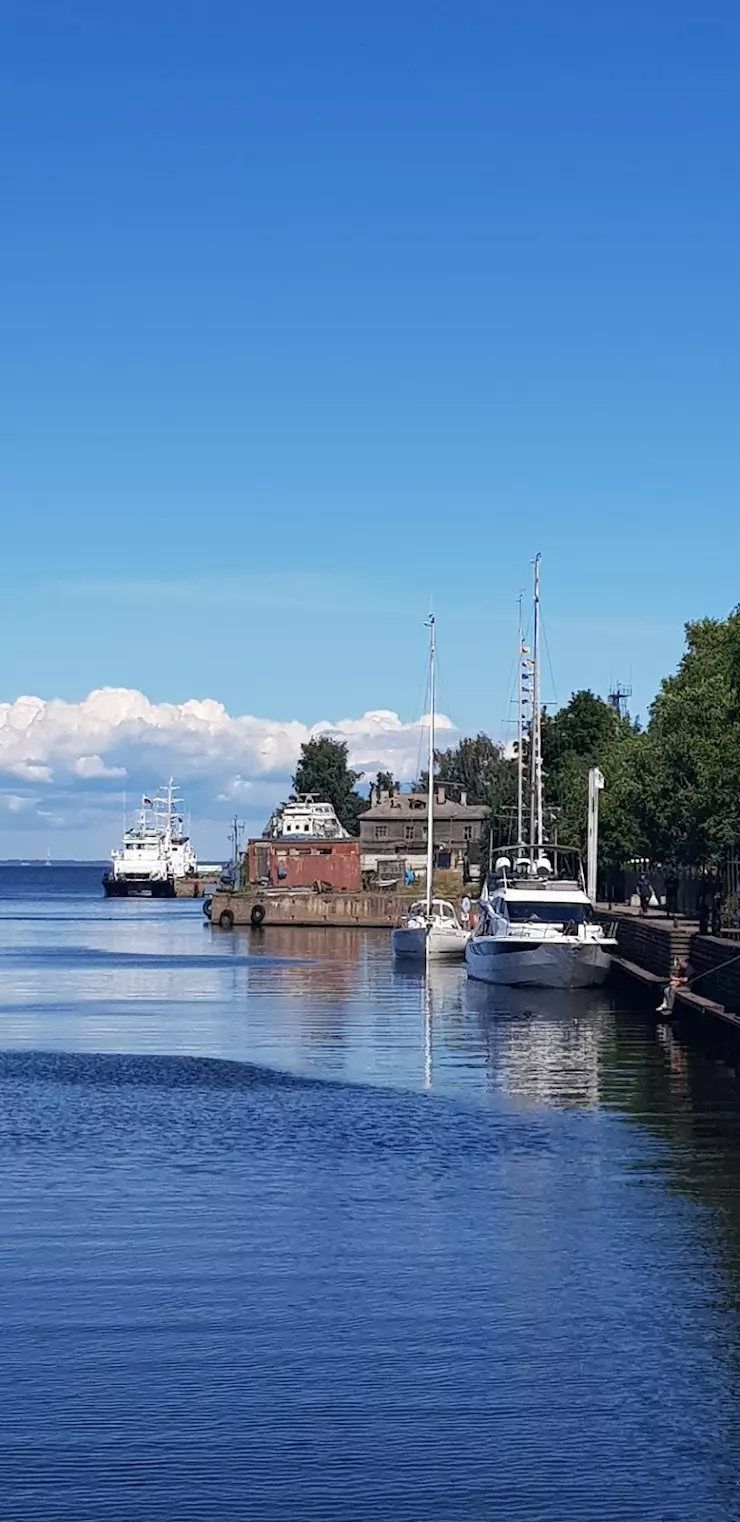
(435, 943)
(544, 965)
(121, 887)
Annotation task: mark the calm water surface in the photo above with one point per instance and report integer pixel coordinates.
(286, 1233)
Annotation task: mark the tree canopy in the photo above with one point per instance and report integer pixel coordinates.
(691, 749)
(672, 791)
(323, 769)
(589, 732)
(478, 768)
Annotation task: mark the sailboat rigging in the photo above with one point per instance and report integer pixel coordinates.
(536, 925)
(431, 928)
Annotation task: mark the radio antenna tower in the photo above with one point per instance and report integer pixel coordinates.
(618, 698)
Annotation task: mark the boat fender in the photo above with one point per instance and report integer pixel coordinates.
(208, 907)
(226, 919)
(257, 916)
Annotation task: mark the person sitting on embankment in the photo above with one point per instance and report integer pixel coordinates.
(680, 978)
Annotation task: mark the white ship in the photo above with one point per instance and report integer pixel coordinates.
(305, 814)
(535, 925)
(154, 852)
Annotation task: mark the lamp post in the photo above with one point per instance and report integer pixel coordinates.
(595, 786)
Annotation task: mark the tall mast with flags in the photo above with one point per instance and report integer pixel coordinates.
(520, 733)
(535, 728)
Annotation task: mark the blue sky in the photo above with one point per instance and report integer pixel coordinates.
(312, 313)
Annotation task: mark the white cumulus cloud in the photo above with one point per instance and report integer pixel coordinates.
(75, 759)
(94, 766)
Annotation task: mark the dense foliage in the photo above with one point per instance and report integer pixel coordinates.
(690, 798)
(672, 790)
(322, 769)
(589, 732)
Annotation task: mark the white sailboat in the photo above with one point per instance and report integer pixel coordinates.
(536, 926)
(431, 928)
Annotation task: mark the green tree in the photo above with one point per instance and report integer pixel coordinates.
(583, 728)
(691, 796)
(385, 782)
(322, 769)
(589, 732)
(477, 767)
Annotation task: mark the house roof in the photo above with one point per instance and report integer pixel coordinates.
(414, 806)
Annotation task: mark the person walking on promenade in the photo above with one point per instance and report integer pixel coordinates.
(644, 893)
(671, 894)
(703, 915)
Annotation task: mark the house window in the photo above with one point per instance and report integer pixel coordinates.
(408, 832)
(468, 832)
(381, 832)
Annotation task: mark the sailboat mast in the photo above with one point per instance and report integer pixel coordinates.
(168, 826)
(536, 723)
(520, 734)
(430, 806)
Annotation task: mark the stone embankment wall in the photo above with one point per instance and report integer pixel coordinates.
(650, 943)
(363, 910)
(657, 946)
(718, 962)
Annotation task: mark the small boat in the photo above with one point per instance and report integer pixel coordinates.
(431, 928)
(536, 926)
(435, 932)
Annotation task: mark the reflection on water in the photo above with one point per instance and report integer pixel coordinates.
(411, 1248)
(81, 972)
(544, 1044)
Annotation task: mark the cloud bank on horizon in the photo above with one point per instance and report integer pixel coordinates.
(66, 765)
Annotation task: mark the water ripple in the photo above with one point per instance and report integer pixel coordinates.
(285, 1234)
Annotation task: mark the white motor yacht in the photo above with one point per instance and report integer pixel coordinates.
(537, 930)
(535, 925)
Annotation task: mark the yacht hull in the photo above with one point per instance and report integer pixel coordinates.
(409, 943)
(562, 964)
(438, 945)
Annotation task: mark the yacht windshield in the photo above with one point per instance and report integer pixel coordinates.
(536, 911)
